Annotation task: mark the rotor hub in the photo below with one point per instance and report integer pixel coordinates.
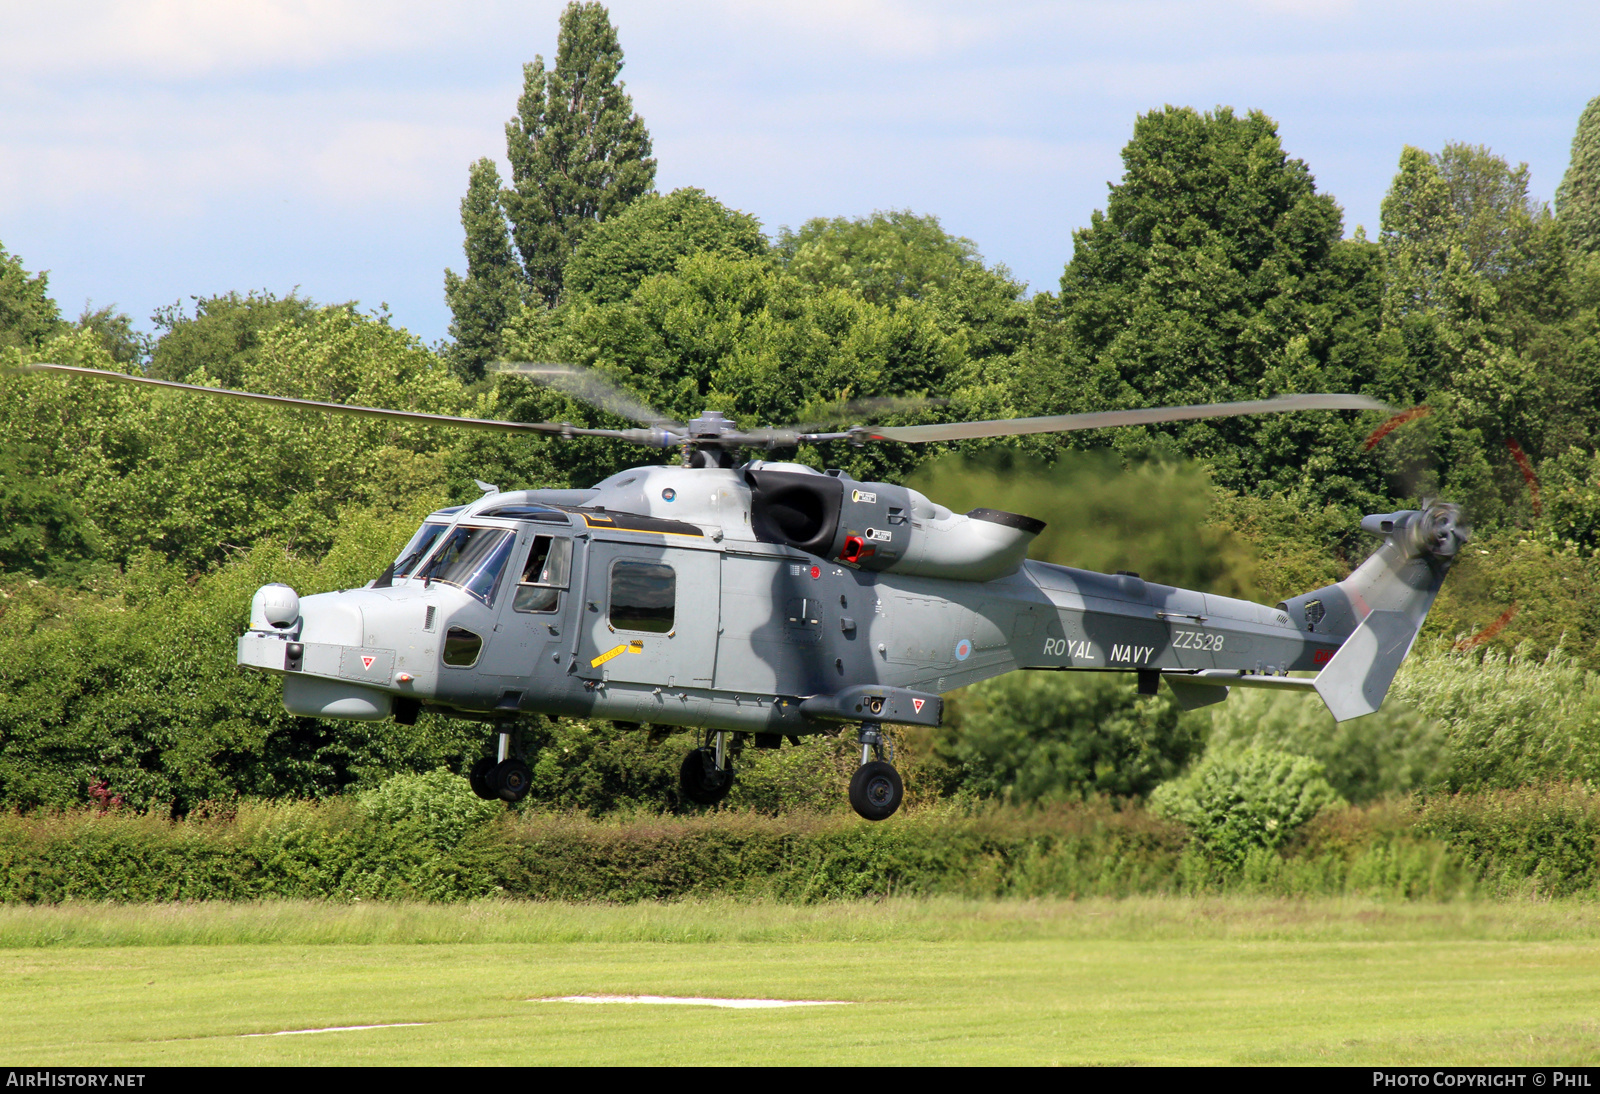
(711, 425)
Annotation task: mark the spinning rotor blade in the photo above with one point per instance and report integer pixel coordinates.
(803, 432)
(653, 437)
(1106, 419)
(592, 388)
(854, 410)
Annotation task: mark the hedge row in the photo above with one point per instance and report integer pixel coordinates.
(1538, 841)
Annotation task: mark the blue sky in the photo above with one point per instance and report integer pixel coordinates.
(154, 151)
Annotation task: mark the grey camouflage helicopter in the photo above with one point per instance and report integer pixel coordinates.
(750, 597)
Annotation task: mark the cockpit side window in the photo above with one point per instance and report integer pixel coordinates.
(544, 575)
(472, 559)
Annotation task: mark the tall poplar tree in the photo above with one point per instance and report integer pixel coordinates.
(578, 152)
(1578, 196)
(492, 290)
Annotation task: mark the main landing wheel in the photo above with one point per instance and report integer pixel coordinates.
(510, 780)
(478, 778)
(876, 790)
(702, 783)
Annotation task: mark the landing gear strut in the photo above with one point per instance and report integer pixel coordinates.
(502, 775)
(707, 774)
(875, 789)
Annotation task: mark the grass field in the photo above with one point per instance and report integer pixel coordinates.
(1136, 981)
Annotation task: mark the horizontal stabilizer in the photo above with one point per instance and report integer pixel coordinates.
(1190, 695)
(1356, 680)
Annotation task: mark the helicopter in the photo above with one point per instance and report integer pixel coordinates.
(757, 599)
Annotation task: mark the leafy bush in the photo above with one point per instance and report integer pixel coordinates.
(1391, 752)
(1238, 802)
(342, 850)
(1534, 840)
(1037, 736)
(439, 804)
(1509, 720)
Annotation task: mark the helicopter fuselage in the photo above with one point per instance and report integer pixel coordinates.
(660, 597)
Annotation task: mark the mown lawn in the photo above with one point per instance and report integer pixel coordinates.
(1137, 981)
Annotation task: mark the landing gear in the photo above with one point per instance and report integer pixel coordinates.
(478, 778)
(501, 776)
(875, 789)
(707, 774)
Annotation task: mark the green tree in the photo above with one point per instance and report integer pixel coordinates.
(28, 315)
(1578, 196)
(115, 331)
(735, 334)
(1473, 273)
(223, 337)
(650, 236)
(491, 292)
(43, 532)
(196, 479)
(1217, 272)
(579, 154)
(898, 255)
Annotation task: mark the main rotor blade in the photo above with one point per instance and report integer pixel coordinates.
(592, 388)
(654, 437)
(1106, 419)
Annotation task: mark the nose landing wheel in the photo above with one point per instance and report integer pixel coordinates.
(502, 776)
(876, 789)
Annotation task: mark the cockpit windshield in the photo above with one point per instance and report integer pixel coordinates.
(472, 559)
(417, 549)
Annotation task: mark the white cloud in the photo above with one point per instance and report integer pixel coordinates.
(190, 39)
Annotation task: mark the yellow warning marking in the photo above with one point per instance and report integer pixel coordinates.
(636, 646)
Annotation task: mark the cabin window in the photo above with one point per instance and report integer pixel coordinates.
(472, 559)
(644, 596)
(417, 549)
(544, 575)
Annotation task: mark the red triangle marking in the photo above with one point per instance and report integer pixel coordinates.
(366, 662)
(916, 705)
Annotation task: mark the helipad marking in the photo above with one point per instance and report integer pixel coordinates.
(333, 1029)
(696, 1001)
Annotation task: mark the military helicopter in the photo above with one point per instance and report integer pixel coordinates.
(742, 596)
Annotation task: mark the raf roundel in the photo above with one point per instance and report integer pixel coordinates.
(668, 494)
(963, 650)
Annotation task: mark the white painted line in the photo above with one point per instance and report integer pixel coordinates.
(333, 1029)
(696, 1001)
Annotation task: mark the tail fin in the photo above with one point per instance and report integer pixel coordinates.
(1381, 606)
